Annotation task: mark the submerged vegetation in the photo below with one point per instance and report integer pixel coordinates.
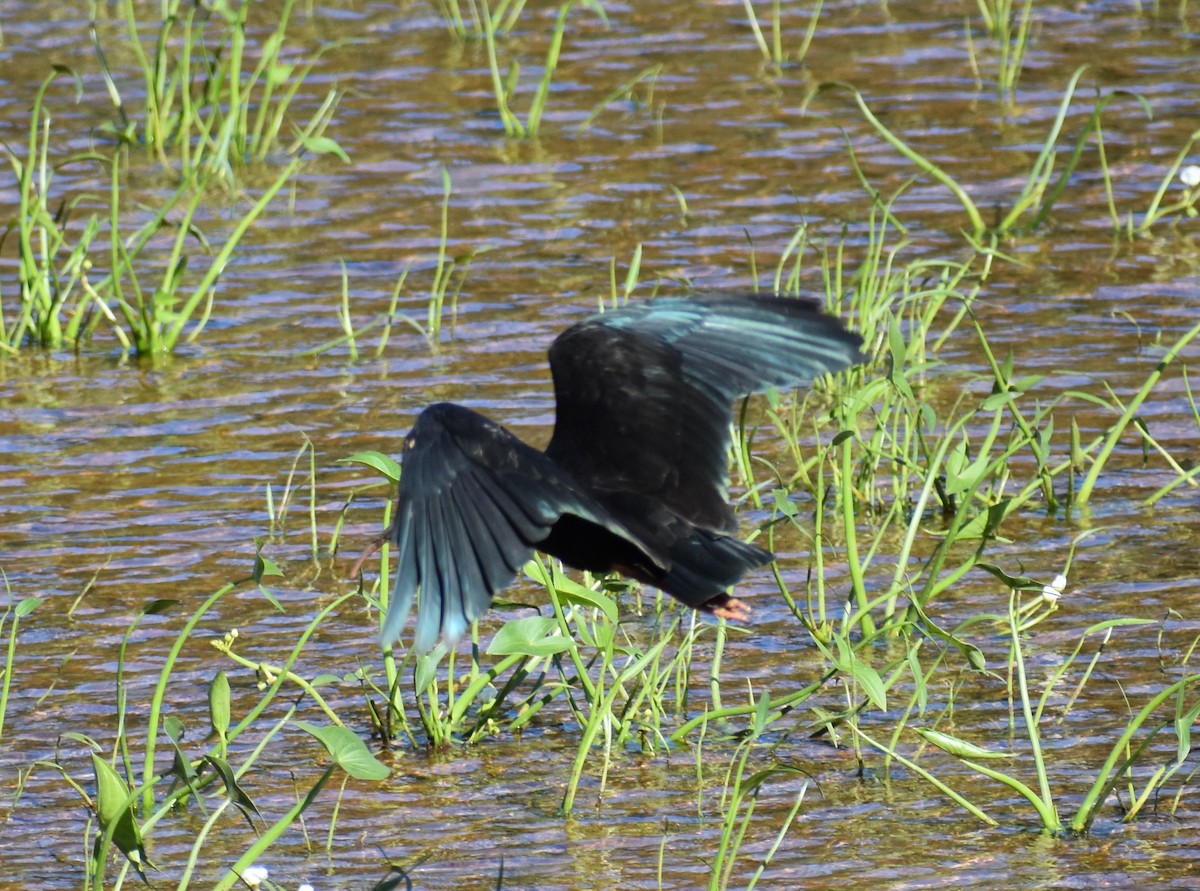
(900, 484)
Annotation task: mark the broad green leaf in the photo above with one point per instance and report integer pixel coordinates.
(570, 591)
(1015, 582)
(426, 671)
(174, 728)
(782, 503)
(218, 704)
(82, 738)
(864, 674)
(323, 145)
(235, 792)
(347, 751)
(529, 636)
(114, 809)
(970, 652)
(378, 462)
(26, 606)
(263, 566)
(957, 747)
(159, 606)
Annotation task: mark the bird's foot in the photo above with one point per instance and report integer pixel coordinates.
(732, 608)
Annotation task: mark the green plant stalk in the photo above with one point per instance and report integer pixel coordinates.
(160, 690)
(543, 89)
(11, 650)
(155, 132)
(625, 90)
(36, 299)
(1043, 166)
(270, 58)
(850, 530)
(175, 326)
(285, 670)
(601, 716)
(549, 574)
(757, 31)
(723, 861)
(1012, 50)
(1114, 434)
(170, 804)
(978, 226)
(791, 815)
(954, 796)
(778, 704)
(1010, 402)
(272, 834)
(512, 125)
(437, 290)
(271, 672)
(1152, 212)
(194, 854)
(809, 33)
(1109, 775)
(1093, 125)
(1045, 802)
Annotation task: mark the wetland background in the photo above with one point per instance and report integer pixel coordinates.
(422, 221)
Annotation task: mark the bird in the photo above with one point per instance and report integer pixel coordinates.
(635, 477)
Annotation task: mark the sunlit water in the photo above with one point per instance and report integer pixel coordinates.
(126, 481)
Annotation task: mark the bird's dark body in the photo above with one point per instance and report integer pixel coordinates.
(634, 478)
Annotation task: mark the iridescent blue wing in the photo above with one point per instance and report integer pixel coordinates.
(474, 502)
(645, 392)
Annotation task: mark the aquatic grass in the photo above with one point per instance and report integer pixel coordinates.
(1123, 755)
(503, 87)
(203, 108)
(128, 804)
(1010, 34)
(647, 79)
(440, 286)
(277, 517)
(449, 276)
(65, 295)
(13, 614)
(773, 53)
(1040, 191)
(158, 319)
(1189, 177)
(50, 284)
(738, 798)
(1126, 416)
(504, 16)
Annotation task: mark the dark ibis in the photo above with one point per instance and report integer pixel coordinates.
(635, 477)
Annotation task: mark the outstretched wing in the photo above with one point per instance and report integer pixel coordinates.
(645, 392)
(474, 502)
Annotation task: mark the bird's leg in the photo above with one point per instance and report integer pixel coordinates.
(375, 545)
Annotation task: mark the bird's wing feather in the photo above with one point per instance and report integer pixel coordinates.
(474, 501)
(644, 393)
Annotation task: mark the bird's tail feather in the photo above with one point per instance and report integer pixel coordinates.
(705, 563)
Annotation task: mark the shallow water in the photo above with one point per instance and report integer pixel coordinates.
(125, 481)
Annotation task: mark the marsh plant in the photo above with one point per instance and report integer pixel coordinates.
(84, 268)
(129, 793)
(201, 105)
